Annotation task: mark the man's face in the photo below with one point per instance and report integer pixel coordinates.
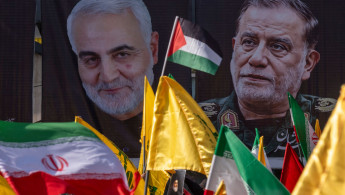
(113, 59)
(269, 55)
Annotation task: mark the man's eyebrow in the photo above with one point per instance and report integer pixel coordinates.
(120, 48)
(282, 40)
(86, 53)
(248, 34)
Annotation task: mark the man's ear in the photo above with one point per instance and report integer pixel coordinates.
(154, 46)
(312, 59)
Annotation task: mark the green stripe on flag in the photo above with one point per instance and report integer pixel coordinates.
(300, 124)
(253, 173)
(194, 61)
(32, 132)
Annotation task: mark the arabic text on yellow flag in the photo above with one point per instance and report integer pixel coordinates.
(183, 137)
(324, 172)
(129, 167)
(157, 179)
(5, 188)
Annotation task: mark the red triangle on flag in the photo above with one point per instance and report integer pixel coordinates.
(178, 40)
(292, 168)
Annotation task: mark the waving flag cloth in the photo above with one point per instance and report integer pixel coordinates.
(324, 172)
(130, 169)
(157, 179)
(58, 158)
(183, 137)
(303, 130)
(259, 152)
(292, 168)
(241, 172)
(192, 46)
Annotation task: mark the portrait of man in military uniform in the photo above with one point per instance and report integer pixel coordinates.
(273, 53)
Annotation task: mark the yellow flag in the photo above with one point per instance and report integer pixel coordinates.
(324, 172)
(183, 137)
(146, 129)
(157, 179)
(129, 167)
(261, 154)
(317, 128)
(5, 188)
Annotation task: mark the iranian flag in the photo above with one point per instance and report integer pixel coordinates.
(58, 158)
(241, 172)
(305, 133)
(192, 46)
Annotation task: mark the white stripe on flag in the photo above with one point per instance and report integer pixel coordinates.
(199, 48)
(77, 157)
(225, 169)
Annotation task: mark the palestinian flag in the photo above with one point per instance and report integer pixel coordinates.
(58, 158)
(305, 133)
(192, 46)
(241, 172)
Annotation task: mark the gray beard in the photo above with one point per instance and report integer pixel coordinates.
(269, 94)
(120, 103)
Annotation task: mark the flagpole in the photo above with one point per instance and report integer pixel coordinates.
(147, 173)
(144, 168)
(166, 55)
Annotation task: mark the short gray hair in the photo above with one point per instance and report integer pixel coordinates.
(311, 28)
(92, 7)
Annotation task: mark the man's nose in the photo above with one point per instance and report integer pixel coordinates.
(109, 70)
(259, 56)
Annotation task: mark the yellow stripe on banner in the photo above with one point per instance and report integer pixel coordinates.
(5, 188)
(261, 155)
(129, 167)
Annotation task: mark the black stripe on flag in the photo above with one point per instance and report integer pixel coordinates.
(195, 31)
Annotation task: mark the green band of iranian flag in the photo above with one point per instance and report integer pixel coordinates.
(57, 158)
(193, 47)
(241, 172)
(305, 133)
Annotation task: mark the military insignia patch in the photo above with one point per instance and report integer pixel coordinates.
(325, 104)
(210, 109)
(230, 119)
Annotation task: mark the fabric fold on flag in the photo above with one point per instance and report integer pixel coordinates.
(292, 168)
(324, 172)
(192, 46)
(183, 137)
(241, 171)
(157, 179)
(127, 164)
(58, 158)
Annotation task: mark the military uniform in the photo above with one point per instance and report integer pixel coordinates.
(276, 131)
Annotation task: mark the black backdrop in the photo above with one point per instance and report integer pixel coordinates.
(63, 96)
